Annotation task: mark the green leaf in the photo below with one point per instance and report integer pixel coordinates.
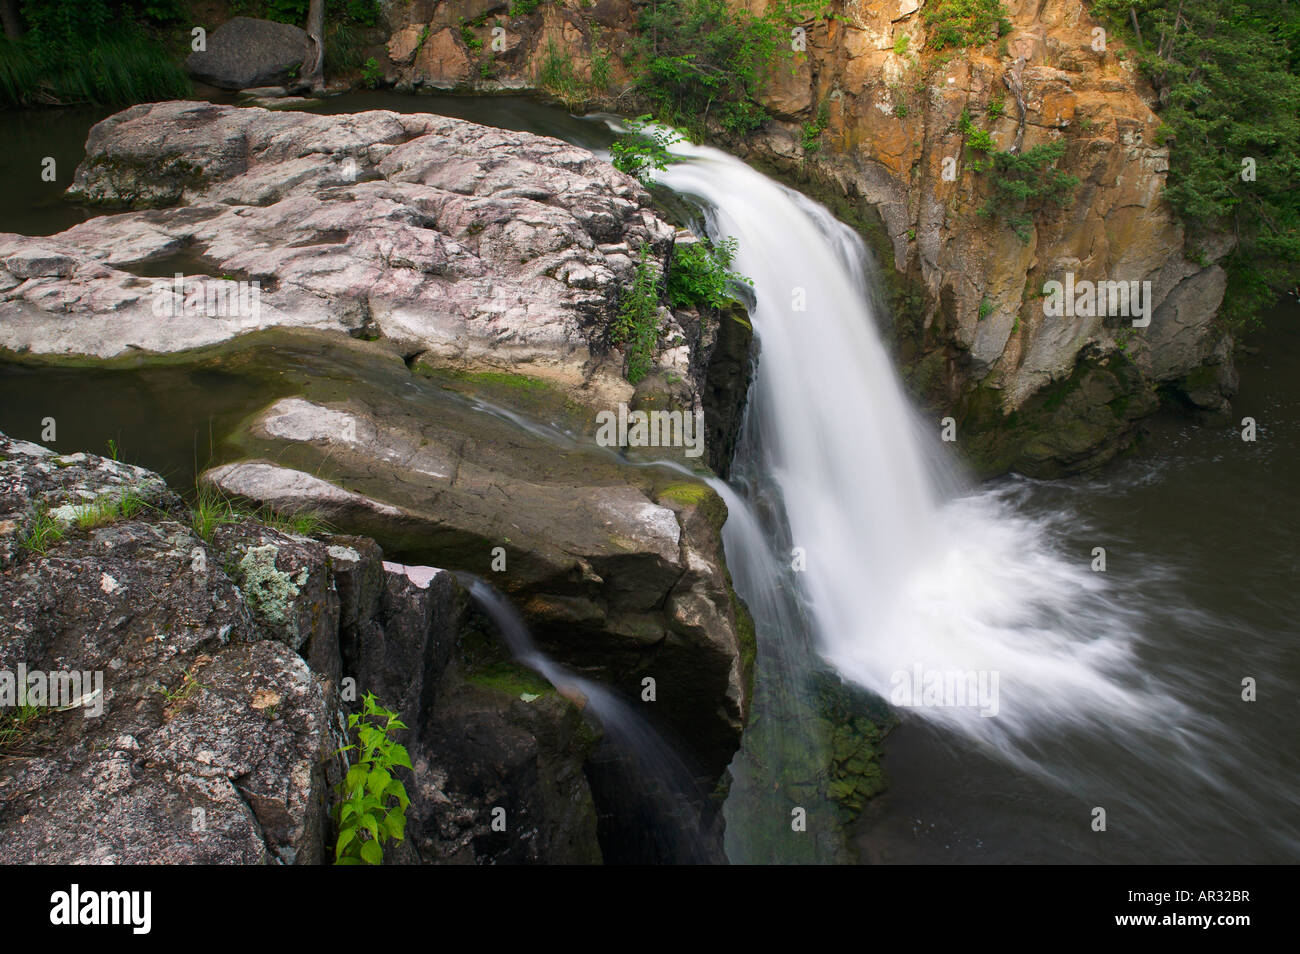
(371, 853)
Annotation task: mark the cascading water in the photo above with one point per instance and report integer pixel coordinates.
(904, 578)
(660, 810)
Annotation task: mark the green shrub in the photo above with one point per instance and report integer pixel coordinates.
(636, 327)
(701, 274)
(370, 73)
(557, 77)
(1228, 78)
(643, 148)
(42, 534)
(959, 23)
(1025, 182)
(373, 803)
(812, 131)
(701, 61)
(981, 141)
(91, 51)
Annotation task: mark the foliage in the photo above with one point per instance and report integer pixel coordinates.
(636, 327)
(522, 8)
(211, 510)
(107, 508)
(960, 23)
(557, 77)
(361, 12)
(17, 722)
(471, 39)
(91, 51)
(643, 148)
(42, 534)
(699, 60)
(812, 132)
(1228, 85)
(370, 73)
(373, 803)
(981, 141)
(600, 70)
(701, 274)
(1025, 182)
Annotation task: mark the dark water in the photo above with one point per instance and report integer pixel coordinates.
(29, 204)
(1202, 532)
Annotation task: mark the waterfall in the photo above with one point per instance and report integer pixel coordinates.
(906, 576)
(657, 802)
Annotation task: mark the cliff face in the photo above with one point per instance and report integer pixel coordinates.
(870, 120)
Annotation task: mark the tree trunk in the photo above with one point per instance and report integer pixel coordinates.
(313, 67)
(13, 23)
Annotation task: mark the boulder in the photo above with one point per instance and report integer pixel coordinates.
(244, 52)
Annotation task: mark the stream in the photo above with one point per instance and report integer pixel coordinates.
(1118, 689)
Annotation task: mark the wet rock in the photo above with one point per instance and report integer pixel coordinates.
(618, 570)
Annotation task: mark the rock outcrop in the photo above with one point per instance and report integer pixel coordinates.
(618, 570)
(217, 673)
(455, 244)
(490, 262)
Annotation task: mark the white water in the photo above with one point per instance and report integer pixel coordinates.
(899, 575)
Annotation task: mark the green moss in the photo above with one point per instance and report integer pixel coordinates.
(505, 379)
(690, 495)
(747, 638)
(510, 678)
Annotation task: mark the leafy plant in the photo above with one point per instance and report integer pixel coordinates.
(371, 73)
(812, 132)
(304, 523)
(16, 722)
(557, 77)
(701, 274)
(373, 802)
(959, 23)
(106, 508)
(636, 327)
(701, 61)
(643, 148)
(211, 510)
(1025, 182)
